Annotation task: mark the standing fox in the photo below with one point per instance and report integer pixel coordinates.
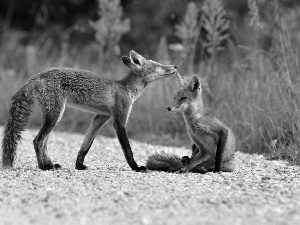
(105, 98)
(214, 143)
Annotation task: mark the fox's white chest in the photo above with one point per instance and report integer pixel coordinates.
(203, 139)
(135, 94)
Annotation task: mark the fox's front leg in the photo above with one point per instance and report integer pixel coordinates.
(120, 129)
(195, 150)
(223, 134)
(95, 126)
(185, 159)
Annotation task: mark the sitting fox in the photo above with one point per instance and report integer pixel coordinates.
(105, 98)
(214, 143)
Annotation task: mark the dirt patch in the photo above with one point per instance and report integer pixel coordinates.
(259, 192)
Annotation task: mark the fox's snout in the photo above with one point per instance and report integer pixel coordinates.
(177, 108)
(170, 69)
(173, 109)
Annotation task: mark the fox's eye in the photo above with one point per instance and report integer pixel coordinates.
(183, 98)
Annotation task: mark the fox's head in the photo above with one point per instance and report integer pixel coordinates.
(148, 70)
(189, 94)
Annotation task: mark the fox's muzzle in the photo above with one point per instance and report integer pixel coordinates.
(173, 109)
(170, 70)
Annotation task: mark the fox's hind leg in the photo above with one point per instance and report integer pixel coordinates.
(223, 135)
(51, 117)
(197, 158)
(95, 126)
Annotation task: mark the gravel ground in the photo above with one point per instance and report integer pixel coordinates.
(259, 192)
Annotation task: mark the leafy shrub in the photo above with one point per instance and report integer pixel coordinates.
(110, 28)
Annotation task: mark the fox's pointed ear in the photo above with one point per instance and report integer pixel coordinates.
(137, 59)
(195, 84)
(127, 62)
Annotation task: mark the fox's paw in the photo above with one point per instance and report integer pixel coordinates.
(185, 160)
(217, 171)
(80, 167)
(50, 166)
(56, 166)
(141, 169)
(184, 170)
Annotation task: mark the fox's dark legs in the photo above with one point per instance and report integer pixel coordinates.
(40, 141)
(95, 126)
(123, 139)
(119, 126)
(223, 134)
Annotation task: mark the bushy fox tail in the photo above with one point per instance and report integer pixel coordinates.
(164, 162)
(17, 118)
(173, 163)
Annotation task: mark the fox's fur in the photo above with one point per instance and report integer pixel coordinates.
(105, 98)
(172, 163)
(214, 142)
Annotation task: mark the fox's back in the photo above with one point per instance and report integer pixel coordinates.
(69, 79)
(80, 88)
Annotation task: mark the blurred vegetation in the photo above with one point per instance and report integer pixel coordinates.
(244, 51)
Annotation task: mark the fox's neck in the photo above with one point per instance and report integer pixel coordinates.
(134, 85)
(194, 111)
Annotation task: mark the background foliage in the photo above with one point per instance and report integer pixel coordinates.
(245, 52)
